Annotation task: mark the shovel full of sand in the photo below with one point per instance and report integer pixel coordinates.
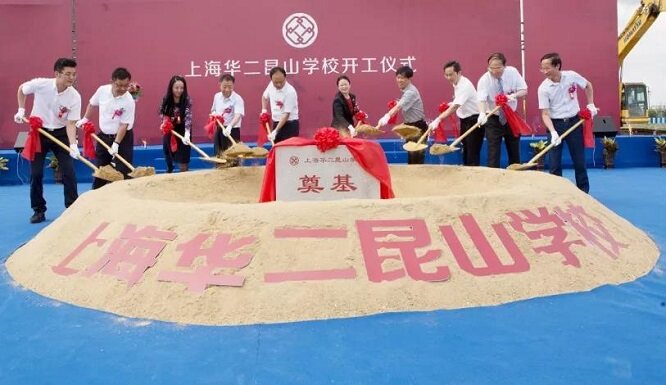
(260, 152)
(237, 149)
(406, 131)
(366, 129)
(418, 145)
(441, 149)
(136, 172)
(107, 173)
(532, 162)
(196, 148)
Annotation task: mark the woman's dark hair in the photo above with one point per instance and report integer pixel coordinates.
(167, 102)
(342, 77)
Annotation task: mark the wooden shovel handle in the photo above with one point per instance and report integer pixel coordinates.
(194, 146)
(474, 127)
(66, 148)
(219, 124)
(100, 141)
(425, 135)
(551, 145)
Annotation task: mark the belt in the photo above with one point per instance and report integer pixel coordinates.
(53, 129)
(564, 120)
(106, 135)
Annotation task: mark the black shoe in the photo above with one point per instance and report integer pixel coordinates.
(37, 217)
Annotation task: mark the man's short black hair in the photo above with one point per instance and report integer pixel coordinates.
(554, 58)
(454, 64)
(497, 56)
(227, 77)
(405, 71)
(275, 70)
(63, 62)
(121, 73)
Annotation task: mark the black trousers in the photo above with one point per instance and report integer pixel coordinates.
(103, 158)
(471, 145)
(66, 165)
(576, 145)
(289, 130)
(222, 143)
(417, 157)
(182, 153)
(495, 131)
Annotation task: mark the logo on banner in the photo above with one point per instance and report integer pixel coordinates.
(299, 30)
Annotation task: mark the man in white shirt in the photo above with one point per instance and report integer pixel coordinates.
(116, 118)
(465, 105)
(228, 104)
(558, 102)
(58, 104)
(283, 102)
(500, 79)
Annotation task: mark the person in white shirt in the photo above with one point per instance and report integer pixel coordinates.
(465, 106)
(283, 102)
(116, 117)
(58, 104)
(558, 102)
(230, 105)
(500, 79)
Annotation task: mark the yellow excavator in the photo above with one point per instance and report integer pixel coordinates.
(633, 96)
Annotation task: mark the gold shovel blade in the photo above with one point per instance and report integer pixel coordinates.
(367, 129)
(238, 149)
(413, 146)
(441, 149)
(406, 131)
(521, 166)
(142, 171)
(108, 173)
(259, 152)
(215, 160)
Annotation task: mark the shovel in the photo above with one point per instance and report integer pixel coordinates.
(441, 149)
(260, 152)
(237, 149)
(136, 172)
(406, 131)
(204, 156)
(107, 173)
(419, 145)
(532, 162)
(367, 129)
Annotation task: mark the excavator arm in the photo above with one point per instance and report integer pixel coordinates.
(639, 23)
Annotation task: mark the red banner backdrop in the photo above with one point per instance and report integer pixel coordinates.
(33, 34)
(584, 33)
(366, 41)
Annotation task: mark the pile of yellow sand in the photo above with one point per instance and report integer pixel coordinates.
(609, 249)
